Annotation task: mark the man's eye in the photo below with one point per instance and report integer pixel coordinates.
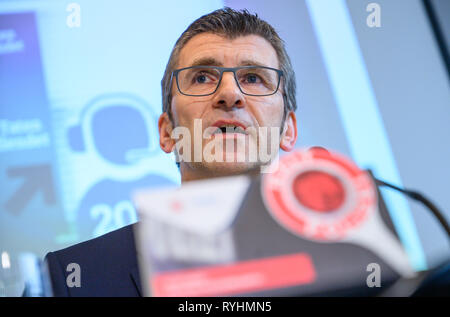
(252, 79)
(204, 77)
(200, 79)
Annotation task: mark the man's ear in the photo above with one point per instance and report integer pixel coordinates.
(165, 128)
(289, 135)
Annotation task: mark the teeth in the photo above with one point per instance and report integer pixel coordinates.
(229, 128)
(217, 131)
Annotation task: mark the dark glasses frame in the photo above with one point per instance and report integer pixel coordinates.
(221, 71)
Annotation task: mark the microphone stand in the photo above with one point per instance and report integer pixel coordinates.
(435, 282)
(421, 198)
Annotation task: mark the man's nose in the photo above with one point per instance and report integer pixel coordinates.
(228, 93)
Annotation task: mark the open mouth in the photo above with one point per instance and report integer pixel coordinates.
(229, 129)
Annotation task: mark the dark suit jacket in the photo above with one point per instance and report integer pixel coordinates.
(108, 266)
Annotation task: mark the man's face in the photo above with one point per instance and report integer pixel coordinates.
(228, 105)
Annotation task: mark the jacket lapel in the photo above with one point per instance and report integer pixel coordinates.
(136, 279)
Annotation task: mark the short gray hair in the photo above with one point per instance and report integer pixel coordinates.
(232, 24)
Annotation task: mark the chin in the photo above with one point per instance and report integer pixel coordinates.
(229, 168)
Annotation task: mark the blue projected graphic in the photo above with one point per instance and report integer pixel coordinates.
(27, 180)
(123, 144)
(119, 128)
(79, 136)
(107, 205)
(117, 134)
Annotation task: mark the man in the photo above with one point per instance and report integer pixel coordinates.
(230, 72)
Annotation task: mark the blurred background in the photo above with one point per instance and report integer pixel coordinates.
(80, 96)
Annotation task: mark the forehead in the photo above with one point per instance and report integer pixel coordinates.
(228, 52)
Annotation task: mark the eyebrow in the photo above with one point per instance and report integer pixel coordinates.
(206, 61)
(249, 62)
(209, 61)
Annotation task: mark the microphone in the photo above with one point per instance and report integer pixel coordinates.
(409, 193)
(435, 282)
(421, 198)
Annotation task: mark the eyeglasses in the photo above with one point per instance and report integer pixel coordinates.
(205, 80)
